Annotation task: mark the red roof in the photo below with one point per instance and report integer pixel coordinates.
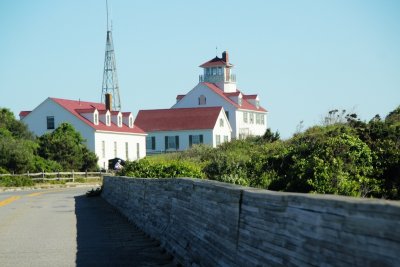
(126, 114)
(85, 110)
(215, 62)
(250, 96)
(74, 107)
(24, 113)
(245, 104)
(237, 93)
(178, 119)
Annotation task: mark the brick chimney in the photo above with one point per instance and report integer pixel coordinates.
(225, 56)
(108, 102)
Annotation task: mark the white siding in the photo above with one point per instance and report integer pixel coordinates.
(212, 100)
(208, 135)
(183, 139)
(120, 139)
(221, 131)
(37, 121)
(251, 128)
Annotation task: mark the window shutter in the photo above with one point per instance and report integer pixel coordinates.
(201, 139)
(166, 142)
(177, 142)
(153, 143)
(190, 140)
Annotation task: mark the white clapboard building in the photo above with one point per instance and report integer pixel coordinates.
(110, 134)
(217, 88)
(180, 128)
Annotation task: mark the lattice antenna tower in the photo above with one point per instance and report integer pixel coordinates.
(110, 78)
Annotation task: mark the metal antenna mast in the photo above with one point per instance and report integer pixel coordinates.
(110, 79)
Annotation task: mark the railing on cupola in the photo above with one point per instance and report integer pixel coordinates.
(217, 78)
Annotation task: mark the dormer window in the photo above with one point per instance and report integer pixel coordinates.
(96, 119)
(239, 101)
(202, 100)
(257, 104)
(108, 119)
(119, 121)
(130, 122)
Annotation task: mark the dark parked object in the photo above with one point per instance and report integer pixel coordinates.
(113, 162)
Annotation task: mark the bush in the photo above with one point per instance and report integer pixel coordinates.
(151, 169)
(16, 181)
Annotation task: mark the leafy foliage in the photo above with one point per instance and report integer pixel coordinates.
(168, 169)
(345, 156)
(66, 146)
(16, 181)
(21, 152)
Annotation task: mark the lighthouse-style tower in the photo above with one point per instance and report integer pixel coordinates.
(218, 71)
(110, 79)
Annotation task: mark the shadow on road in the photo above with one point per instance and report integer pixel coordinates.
(106, 238)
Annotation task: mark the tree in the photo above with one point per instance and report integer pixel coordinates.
(17, 145)
(17, 128)
(269, 136)
(66, 146)
(394, 116)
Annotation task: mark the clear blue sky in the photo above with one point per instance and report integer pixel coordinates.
(303, 58)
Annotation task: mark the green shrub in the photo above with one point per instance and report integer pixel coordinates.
(168, 169)
(15, 181)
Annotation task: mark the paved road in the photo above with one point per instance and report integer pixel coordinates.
(62, 227)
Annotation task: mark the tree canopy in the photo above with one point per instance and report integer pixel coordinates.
(66, 146)
(21, 151)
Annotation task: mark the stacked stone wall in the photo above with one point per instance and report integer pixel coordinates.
(207, 223)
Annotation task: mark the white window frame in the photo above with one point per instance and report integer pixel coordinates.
(119, 121)
(251, 114)
(258, 119)
(96, 118)
(217, 139)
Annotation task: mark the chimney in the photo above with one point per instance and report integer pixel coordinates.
(108, 101)
(225, 56)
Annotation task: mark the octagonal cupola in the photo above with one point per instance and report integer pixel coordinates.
(218, 71)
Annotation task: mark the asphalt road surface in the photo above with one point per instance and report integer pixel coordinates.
(62, 227)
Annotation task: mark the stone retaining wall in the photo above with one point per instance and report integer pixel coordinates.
(207, 223)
